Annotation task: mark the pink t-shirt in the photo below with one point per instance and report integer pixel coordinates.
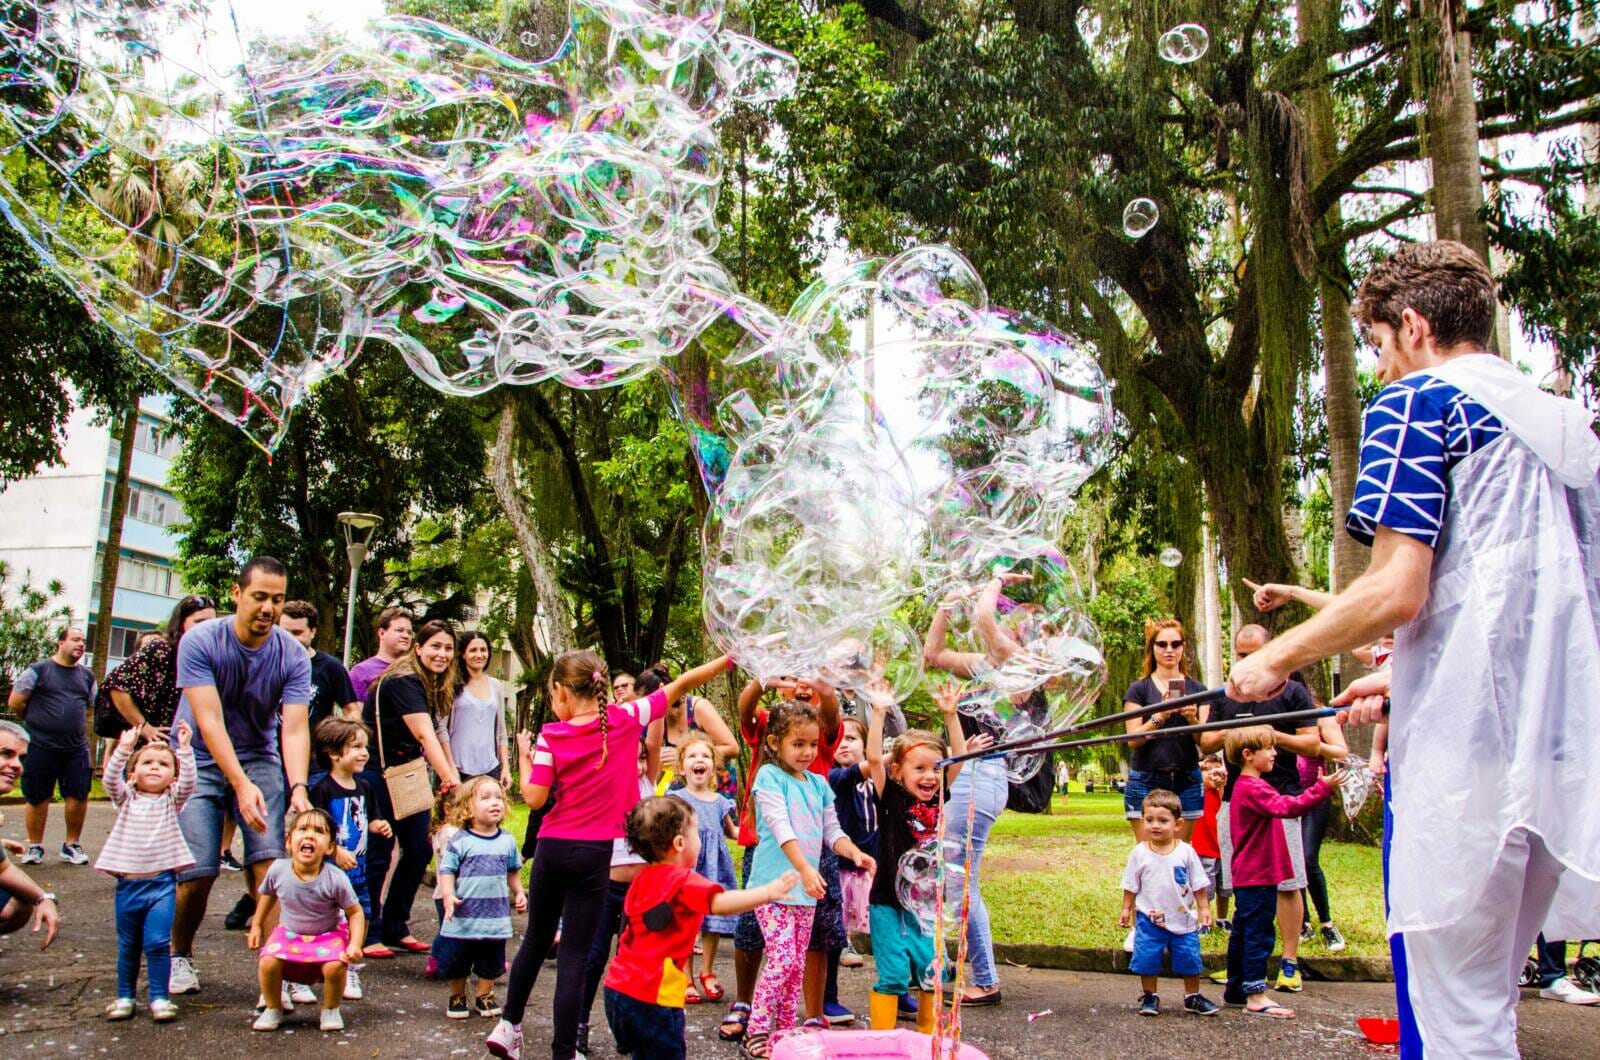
(591, 802)
(1260, 853)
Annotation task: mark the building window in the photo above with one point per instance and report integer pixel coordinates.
(144, 574)
(152, 436)
(145, 503)
(124, 639)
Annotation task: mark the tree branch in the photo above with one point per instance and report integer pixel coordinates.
(535, 553)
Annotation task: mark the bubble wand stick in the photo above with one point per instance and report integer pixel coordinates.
(1182, 730)
(1029, 742)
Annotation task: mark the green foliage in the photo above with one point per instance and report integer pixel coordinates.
(375, 439)
(29, 618)
(54, 354)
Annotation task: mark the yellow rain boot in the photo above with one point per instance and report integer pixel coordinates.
(882, 1011)
(927, 1012)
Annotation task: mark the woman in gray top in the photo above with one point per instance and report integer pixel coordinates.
(473, 730)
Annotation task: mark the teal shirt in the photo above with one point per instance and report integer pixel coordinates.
(807, 799)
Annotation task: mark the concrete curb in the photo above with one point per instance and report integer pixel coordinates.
(1316, 968)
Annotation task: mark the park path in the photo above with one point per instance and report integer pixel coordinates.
(51, 1003)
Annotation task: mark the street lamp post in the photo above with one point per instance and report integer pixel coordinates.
(358, 528)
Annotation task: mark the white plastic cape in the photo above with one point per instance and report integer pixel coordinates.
(1496, 684)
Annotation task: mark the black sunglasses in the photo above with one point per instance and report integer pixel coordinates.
(1169, 643)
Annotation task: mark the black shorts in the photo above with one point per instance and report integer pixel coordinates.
(827, 926)
(459, 958)
(46, 769)
(747, 935)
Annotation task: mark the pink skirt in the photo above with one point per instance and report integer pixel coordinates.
(304, 955)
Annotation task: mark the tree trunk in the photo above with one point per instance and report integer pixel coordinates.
(1211, 614)
(1453, 150)
(535, 553)
(1341, 400)
(111, 560)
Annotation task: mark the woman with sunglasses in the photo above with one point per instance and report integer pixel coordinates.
(1168, 762)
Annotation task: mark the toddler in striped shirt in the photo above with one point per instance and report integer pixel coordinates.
(144, 852)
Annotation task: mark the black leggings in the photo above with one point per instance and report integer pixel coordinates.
(1313, 826)
(608, 927)
(567, 889)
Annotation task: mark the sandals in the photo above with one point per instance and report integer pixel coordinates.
(756, 1047)
(1271, 1012)
(734, 1023)
(410, 945)
(691, 995)
(711, 987)
(980, 1000)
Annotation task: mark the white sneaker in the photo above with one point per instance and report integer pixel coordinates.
(34, 855)
(301, 994)
(352, 986)
(185, 979)
(1127, 943)
(505, 1041)
(331, 1020)
(1565, 989)
(120, 1009)
(285, 1002)
(267, 1019)
(163, 1010)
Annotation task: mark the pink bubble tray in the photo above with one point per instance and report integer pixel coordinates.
(868, 1045)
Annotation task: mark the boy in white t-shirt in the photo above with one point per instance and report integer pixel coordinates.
(1166, 884)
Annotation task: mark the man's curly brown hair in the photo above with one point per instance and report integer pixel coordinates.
(1443, 281)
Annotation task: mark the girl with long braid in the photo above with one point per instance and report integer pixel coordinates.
(591, 750)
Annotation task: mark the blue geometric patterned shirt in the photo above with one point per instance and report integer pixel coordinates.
(1414, 432)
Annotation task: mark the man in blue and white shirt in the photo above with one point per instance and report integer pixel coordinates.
(1480, 498)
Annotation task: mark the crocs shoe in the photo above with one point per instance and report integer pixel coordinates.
(163, 1010)
(120, 1009)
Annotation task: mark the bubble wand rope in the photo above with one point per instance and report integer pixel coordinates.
(951, 1024)
(936, 996)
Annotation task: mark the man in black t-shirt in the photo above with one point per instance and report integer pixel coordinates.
(331, 691)
(1293, 739)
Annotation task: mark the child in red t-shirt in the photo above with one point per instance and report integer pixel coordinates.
(666, 903)
(1204, 839)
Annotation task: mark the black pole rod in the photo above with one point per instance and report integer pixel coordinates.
(1181, 730)
(1210, 695)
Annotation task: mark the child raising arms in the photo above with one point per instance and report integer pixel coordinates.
(591, 751)
(794, 817)
(909, 801)
(648, 980)
(310, 944)
(143, 852)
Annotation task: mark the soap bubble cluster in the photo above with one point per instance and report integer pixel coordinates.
(1171, 557)
(248, 215)
(495, 219)
(1184, 43)
(922, 442)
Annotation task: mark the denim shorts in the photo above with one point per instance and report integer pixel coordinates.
(1151, 941)
(1185, 784)
(201, 817)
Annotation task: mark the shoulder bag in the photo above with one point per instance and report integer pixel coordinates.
(410, 791)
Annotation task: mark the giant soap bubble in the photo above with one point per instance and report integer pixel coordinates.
(248, 215)
(245, 215)
(923, 439)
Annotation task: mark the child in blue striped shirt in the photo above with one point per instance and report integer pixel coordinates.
(480, 883)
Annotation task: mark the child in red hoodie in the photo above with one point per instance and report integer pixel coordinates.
(666, 903)
(1260, 863)
(1204, 838)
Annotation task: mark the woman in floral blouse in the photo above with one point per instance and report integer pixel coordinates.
(143, 691)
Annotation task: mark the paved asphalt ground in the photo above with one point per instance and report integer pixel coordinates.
(51, 1003)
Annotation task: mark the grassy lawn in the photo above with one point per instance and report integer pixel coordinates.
(1056, 879)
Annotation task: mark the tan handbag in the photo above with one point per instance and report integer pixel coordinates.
(410, 791)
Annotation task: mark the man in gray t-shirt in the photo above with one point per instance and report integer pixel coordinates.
(52, 697)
